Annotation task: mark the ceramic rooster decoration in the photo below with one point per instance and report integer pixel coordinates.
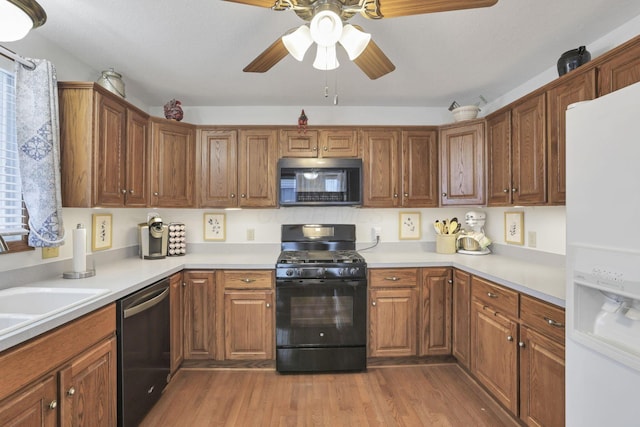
(173, 110)
(302, 122)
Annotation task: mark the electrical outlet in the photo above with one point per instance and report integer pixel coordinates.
(376, 233)
(50, 252)
(532, 239)
(251, 234)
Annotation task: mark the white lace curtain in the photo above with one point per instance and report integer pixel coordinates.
(38, 135)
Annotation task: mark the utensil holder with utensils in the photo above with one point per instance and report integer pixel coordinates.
(446, 243)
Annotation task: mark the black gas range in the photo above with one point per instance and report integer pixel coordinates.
(321, 297)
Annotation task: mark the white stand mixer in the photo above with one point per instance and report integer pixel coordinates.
(472, 240)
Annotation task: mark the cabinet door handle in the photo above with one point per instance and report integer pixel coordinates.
(243, 195)
(553, 322)
(392, 278)
(373, 303)
(325, 149)
(315, 148)
(395, 195)
(521, 344)
(444, 194)
(506, 190)
(155, 193)
(492, 295)
(130, 191)
(268, 305)
(53, 404)
(406, 194)
(450, 281)
(513, 190)
(509, 338)
(124, 191)
(71, 391)
(184, 284)
(233, 195)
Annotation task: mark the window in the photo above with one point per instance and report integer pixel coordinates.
(13, 215)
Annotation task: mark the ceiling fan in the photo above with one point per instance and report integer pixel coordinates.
(327, 25)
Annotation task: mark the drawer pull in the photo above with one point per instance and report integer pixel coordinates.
(71, 391)
(53, 404)
(509, 338)
(393, 278)
(247, 280)
(521, 344)
(492, 295)
(553, 322)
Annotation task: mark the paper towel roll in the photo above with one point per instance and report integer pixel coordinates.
(79, 249)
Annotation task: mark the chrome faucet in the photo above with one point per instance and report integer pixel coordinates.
(3, 245)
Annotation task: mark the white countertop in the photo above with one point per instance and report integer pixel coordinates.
(125, 276)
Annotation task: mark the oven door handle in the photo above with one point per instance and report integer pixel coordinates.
(146, 304)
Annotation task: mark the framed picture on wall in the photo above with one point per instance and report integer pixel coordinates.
(514, 228)
(214, 227)
(101, 231)
(409, 223)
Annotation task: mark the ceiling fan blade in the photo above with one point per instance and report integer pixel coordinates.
(267, 59)
(259, 3)
(395, 8)
(374, 62)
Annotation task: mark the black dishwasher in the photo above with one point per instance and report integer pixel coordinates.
(143, 351)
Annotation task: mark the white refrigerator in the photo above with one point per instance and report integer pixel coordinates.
(603, 261)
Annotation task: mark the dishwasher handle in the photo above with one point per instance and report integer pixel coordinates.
(146, 303)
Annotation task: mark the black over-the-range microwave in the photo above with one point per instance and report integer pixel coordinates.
(320, 182)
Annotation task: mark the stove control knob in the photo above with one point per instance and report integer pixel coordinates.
(321, 272)
(289, 272)
(354, 270)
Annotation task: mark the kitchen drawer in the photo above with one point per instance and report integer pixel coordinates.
(543, 317)
(500, 299)
(393, 278)
(248, 279)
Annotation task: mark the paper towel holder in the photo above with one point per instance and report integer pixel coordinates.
(80, 274)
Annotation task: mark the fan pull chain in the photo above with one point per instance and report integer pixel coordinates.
(335, 89)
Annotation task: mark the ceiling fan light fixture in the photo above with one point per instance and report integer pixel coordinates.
(354, 41)
(298, 42)
(326, 58)
(18, 17)
(326, 28)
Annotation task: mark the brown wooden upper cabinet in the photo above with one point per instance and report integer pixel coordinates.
(237, 167)
(621, 68)
(104, 148)
(400, 168)
(318, 143)
(516, 141)
(462, 164)
(172, 167)
(580, 86)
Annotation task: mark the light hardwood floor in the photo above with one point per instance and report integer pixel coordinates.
(426, 395)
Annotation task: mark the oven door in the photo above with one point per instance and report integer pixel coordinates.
(321, 313)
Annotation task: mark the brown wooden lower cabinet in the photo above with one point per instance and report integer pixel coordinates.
(35, 406)
(435, 312)
(248, 325)
(494, 354)
(542, 366)
(461, 323)
(199, 314)
(393, 312)
(64, 377)
(176, 307)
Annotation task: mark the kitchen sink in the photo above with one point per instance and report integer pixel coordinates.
(20, 306)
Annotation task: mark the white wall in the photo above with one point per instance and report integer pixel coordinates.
(547, 222)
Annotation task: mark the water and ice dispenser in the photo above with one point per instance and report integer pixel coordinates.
(604, 313)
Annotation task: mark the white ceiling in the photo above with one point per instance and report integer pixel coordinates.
(195, 50)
